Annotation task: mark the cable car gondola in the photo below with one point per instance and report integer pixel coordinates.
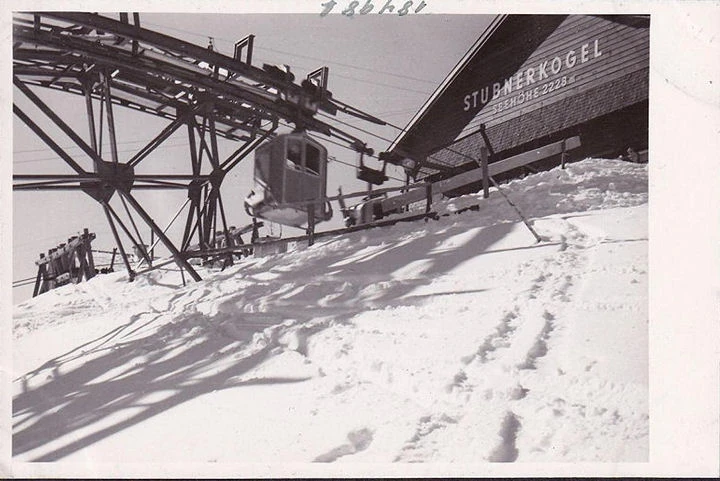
(290, 173)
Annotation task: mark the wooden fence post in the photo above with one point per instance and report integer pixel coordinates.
(485, 174)
(311, 224)
(88, 253)
(40, 279)
(428, 201)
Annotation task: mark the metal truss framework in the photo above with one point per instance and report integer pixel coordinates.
(118, 63)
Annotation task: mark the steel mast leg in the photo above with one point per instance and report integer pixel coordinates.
(131, 273)
(179, 259)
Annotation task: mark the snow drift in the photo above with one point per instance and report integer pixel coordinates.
(456, 340)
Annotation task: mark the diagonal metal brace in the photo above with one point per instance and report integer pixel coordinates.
(179, 259)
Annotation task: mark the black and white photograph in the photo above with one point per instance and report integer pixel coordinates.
(361, 238)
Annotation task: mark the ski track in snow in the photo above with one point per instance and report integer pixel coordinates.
(517, 343)
(447, 341)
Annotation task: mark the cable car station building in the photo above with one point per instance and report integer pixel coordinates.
(531, 80)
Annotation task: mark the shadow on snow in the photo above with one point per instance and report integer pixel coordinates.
(192, 355)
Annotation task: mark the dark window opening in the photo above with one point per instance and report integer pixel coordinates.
(312, 159)
(294, 153)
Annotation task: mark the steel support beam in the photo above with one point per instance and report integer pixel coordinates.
(57, 120)
(32, 186)
(90, 114)
(122, 225)
(140, 245)
(179, 259)
(164, 135)
(170, 43)
(131, 273)
(242, 152)
(107, 98)
(92, 176)
(49, 141)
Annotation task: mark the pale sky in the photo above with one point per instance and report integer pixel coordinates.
(385, 65)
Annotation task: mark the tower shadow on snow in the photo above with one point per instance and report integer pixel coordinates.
(75, 400)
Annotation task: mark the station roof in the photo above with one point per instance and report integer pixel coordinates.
(441, 119)
(507, 42)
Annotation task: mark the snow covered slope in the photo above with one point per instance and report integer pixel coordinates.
(457, 340)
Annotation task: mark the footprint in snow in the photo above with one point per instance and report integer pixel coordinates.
(358, 440)
(506, 451)
(427, 429)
